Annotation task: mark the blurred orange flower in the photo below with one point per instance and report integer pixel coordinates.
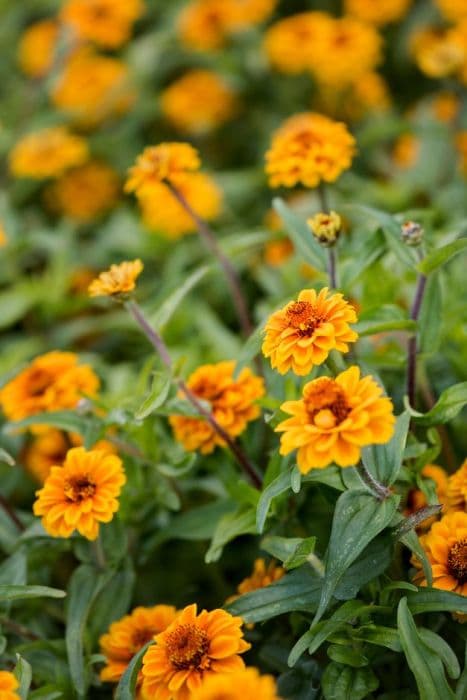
(37, 48)
(167, 162)
(119, 279)
(239, 685)
(8, 686)
(47, 153)
(379, 13)
(105, 22)
(457, 489)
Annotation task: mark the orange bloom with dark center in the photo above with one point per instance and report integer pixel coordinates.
(457, 489)
(191, 650)
(128, 635)
(167, 162)
(119, 279)
(80, 494)
(308, 149)
(446, 548)
(232, 403)
(105, 22)
(8, 686)
(335, 419)
(303, 333)
(239, 685)
(52, 382)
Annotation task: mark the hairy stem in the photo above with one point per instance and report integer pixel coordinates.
(380, 490)
(412, 344)
(160, 347)
(211, 243)
(19, 630)
(332, 254)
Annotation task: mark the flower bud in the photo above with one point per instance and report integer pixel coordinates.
(412, 233)
(326, 228)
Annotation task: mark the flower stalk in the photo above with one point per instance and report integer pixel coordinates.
(160, 347)
(11, 513)
(412, 344)
(332, 256)
(378, 489)
(211, 243)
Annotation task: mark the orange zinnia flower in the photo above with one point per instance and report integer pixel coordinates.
(263, 575)
(37, 48)
(119, 279)
(232, 405)
(303, 333)
(47, 153)
(446, 548)
(192, 649)
(457, 489)
(80, 494)
(307, 149)
(416, 498)
(8, 685)
(167, 162)
(379, 13)
(239, 685)
(106, 22)
(128, 635)
(52, 382)
(335, 419)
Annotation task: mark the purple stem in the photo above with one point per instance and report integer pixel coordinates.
(412, 345)
(11, 513)
(332, 257)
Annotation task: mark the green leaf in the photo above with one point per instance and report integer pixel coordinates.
(346, 683)
(358, 519)
(84, 586)
(69, 421)
(384, 461)
(347, 656)
(250, 349)
(449, 404)
(16, 302)
(383, 318)
(373, 561)
(23, 673)
(371, 250)
(127, 685)
(8, 593)
(168, 307)
(440, 256)
(113, 601)
(380, 636)
(281, 548)
(410, 539)
(229, 527)
(461, 687)
(442, 650)
(160, 387)
(7, 458)
(436, 600)
(430, 319)
(302, 238)
(299, 590)
(426, 665)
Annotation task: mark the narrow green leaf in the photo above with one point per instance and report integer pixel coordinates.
(250, 349)
(347, 656)
(436, 600)
(358, 519)
(461, 687)
(8, 593)
(440, 256)
(441, 649)
(69, 421)
(341, 682)
(449, 404)
(301, 553)
(426, 665)
(410, 539)
(384, 461)
(301, 236)
(380, 636)
(23, 673)
(168, 307)
(7, 458)
(229, 527)
(430, 319)
(160, 387)
(127, 685)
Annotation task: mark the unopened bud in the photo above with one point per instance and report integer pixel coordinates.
(412, 233)
(326, 227)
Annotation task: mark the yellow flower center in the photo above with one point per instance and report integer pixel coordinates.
(457, 561)
(79, 488)
(326, 403)
(186, 646)
(302, 316)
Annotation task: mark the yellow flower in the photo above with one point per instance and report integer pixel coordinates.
(232, 404)
(446, 106)
(37, 48)
(198, 102)
(303, 333)
(240, 685)
(369, 94)
(167, 162)
(119, 279)
(326, 227)
(454, 10)
(335, 419)
(84, 193)
(438, 52)
(278, 251)
(261, 576)
(80, 494)
(406, 150)
(308, 149)
(47, 153)
(128, 635)
(8, 685)
(416, 498)
(457, 489)
(92, 88)
(291, 43)
(49, 449)
(191, 650)
(446, 548)
(205, 25)
(164, 215)
(105, 22)
(379, 13)
(52, 382)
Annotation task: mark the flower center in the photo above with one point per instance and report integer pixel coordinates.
(186, 646)
(302, 316)
(38, 382)
(326, 403)
(457, 561)
(79, 488)
(141, 637)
